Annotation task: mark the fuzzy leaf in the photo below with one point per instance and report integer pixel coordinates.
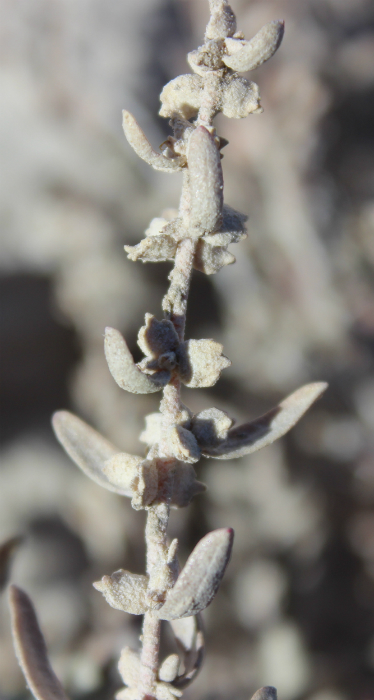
(125, 591)
(129, 666)
(181, 97)
(166, 691)
(240, 98)
(266, 693)
(169, 668)
(124, 370)
(200, 579)
(152, 249)
(201, 362)
(152, 432)
(210, 259)
(248, 438)
(183, 445)
(90, 451)
(210, 426)
(7, 551)
(222, 22)
(145, 484)
(233, 223)
(157, 337)
(189, 636)
(248, 55)
(121, 470)
(139, 142)
(185, 486)
(206, 183)
(31, 649)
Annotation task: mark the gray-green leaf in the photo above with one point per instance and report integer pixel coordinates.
(31, 650)
(200, 579)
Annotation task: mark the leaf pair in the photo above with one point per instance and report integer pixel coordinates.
(198, 362)
(193, 591)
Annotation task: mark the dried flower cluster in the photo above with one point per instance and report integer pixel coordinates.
(195, 236)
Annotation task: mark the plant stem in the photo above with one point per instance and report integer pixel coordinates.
(175, 304)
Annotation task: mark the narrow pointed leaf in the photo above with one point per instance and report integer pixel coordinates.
(266, 693)
(90, 451)
(206, 182)
(200, 578)
(255, 52)
(139, 142)
(124, 370)
(189, 635)
(248, 438)
(31, 649)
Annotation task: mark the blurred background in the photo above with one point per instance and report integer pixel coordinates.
(296, 609)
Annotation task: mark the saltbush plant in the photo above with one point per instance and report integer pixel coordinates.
(196, 236)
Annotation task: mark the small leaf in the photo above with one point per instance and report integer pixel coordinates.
(125, 591)
(121, 471)
(248, 55)
(201, 362)
(206, 183)
(181, 97)
(200, 579)
(129, 666)
(189, 636)
(157, 337)
(31, 649)
(240, 98)
(266, 693)
(153, 249)
(152, 432)
(248, 438)
(90, 451)
(211, 426)
(139, 142)
(183, 445)
(222, 22)
(210, 259)
(169, 668)
(145, 484)
(124, 370)
(185, 486)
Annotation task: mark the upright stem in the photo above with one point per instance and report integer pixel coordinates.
(175, 305)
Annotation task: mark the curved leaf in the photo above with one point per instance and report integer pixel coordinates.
(139, 142)
(248, 55)
(31, 649)
(124, 370)
(248, 438)
(90, 452)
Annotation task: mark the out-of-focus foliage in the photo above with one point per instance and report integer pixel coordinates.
(297, 604)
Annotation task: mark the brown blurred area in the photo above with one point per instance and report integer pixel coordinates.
(296, 609)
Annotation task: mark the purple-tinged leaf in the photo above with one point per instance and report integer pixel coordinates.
(31, 650)
(200, 579)
(250, 437)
